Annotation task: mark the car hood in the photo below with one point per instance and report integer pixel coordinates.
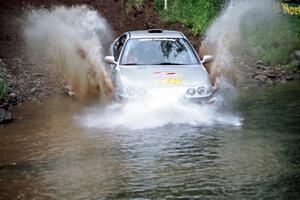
(172, 75)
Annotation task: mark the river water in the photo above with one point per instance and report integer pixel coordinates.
(47, 153)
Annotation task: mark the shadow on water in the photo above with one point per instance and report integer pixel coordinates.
(48, 155)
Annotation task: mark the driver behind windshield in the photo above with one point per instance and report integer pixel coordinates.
(157, 52)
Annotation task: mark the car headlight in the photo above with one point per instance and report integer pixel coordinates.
(191, 91)
(201, 90)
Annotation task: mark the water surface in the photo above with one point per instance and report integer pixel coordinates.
(47, 154)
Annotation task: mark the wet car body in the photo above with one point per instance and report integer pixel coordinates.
(158, 63)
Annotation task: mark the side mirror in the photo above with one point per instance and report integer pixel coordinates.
(207, 59)
(109, 59)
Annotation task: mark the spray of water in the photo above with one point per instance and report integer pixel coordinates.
(156, 112)
(223, 38)
(72, 40)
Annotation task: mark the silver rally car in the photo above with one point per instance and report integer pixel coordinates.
(158, 63)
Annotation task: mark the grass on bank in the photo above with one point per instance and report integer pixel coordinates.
(4, 87)
(272, 40)
(133, 4)
(196, 14)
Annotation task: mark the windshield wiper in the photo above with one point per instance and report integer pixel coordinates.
(168, 63)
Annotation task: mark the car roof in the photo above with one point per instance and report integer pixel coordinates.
(155, 33)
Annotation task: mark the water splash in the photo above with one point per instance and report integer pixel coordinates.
(156, 112)
(223, 37)
(72, 40)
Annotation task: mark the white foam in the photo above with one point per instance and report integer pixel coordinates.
(156, 112)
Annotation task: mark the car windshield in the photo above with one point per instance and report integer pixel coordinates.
(158, 52)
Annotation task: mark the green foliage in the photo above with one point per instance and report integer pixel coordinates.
(159, 4)
(196, 14)
(291, 66)
(132, 4)
(271, 40)
(4, 88)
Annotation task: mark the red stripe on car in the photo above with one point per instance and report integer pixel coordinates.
(164, 73)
